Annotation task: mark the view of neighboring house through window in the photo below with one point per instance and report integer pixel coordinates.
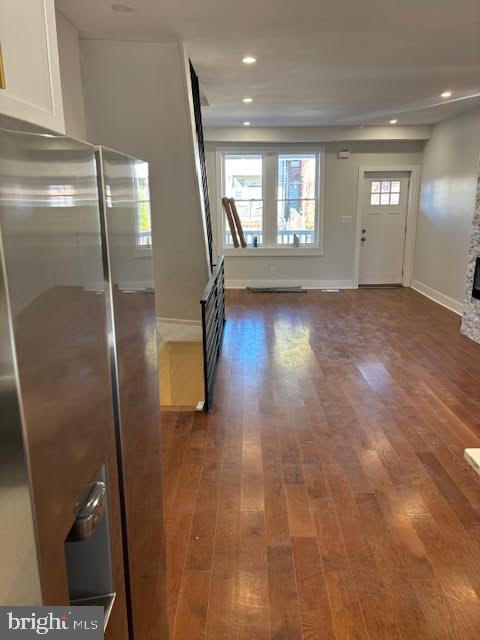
(143, 219)
(277, 197)
(243, 181)
(296, 198)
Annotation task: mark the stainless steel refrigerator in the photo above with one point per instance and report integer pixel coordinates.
(80, 462)
(127, 240)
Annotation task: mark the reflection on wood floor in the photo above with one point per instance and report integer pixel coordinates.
(326, 496)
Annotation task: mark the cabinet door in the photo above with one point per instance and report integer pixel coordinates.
(28, 38)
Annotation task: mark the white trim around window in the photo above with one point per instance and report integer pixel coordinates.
(270, 155)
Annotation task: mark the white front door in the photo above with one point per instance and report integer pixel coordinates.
(382, 238)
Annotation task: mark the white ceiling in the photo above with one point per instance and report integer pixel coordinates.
(320, 62)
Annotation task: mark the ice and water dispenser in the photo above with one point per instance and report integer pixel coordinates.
(88, 549)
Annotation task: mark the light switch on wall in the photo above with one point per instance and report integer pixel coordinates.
(346, 219)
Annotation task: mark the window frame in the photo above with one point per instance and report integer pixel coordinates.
(270, 154)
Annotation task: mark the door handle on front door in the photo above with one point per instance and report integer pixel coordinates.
(364, 231)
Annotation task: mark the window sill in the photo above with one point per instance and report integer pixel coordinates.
(274, 251)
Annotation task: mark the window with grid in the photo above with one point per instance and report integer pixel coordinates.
(277, 195)
(385, 192)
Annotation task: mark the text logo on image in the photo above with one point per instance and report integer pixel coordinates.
(25, 623)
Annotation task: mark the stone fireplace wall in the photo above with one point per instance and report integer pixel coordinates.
(471, 308)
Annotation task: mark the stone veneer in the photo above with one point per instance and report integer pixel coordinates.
(471, 307)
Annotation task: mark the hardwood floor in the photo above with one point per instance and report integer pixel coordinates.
(326, 497)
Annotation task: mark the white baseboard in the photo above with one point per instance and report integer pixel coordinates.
(179, 330)
(135, 285)
(306, 284)
(97, 287)
(439, 298)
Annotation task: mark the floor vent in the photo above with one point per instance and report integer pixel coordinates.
(276, 290)
(380, 286)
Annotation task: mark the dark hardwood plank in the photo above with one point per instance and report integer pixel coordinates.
(254, 602)
(284, 606)
(312, 591)
(406, 538)
(373, 596)
(254, 605)
(200, 547)
(276, 518)
(449, 490)
(191, 617)
(408, 613)
(300, 519)
(253, 552)
(451, 573)
(179, 522)
(326, 495)
(441, 619)
(252, 481)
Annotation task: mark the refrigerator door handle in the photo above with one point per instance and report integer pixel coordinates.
(88, 514)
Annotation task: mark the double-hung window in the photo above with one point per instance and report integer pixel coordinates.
(278, 195)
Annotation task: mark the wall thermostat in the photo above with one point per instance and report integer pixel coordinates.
(343, 153)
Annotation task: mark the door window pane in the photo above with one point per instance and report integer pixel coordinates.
(385, 192)
(385, 198)
(394, 198)
(243, 181)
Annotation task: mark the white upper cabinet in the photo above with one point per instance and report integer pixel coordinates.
(28, 39)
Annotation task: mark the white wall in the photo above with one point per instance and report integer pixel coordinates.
(449, 175)
(136, 98)
(336, 266)
(72, 91)
(370, 133)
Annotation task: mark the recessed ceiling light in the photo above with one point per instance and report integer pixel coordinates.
(394, 121)
(246, 124)
(446, 94)
(249, 60)
(247, 100)
(122, 8)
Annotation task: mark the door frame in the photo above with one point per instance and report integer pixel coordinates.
(411, 222)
